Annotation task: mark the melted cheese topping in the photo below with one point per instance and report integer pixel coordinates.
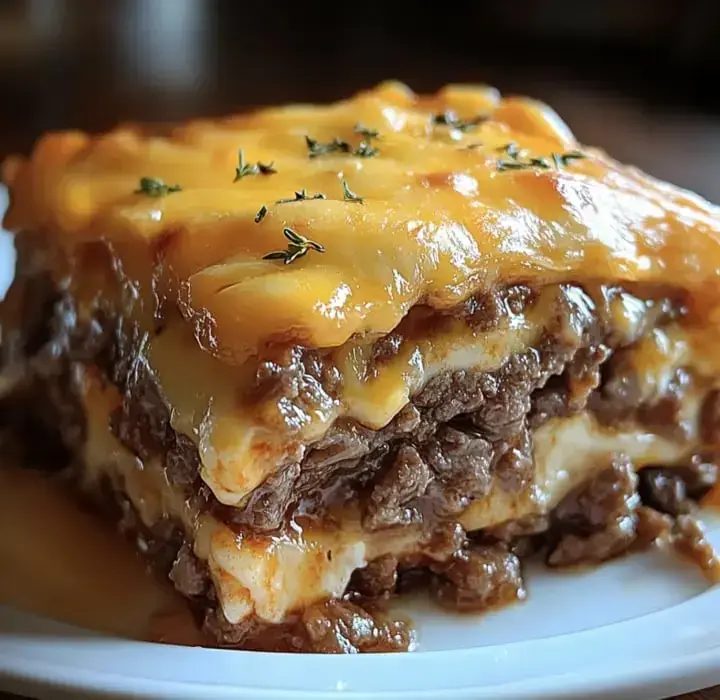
(440, 218)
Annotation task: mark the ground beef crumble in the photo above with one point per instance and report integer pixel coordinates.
(479, 578)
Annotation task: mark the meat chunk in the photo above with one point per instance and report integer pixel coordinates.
(188, 574)
(664, 489)
(461, 464)
(710, 419)
(479, 578)
(182, 461)
(507, 400)
(603, 519)
(595, 547)
(445, 541)
(610, 495)
(338, 627)
(450, 394)
(391, 499)
(268, 504)
(142, 422)
(377, 579)
(515, 467)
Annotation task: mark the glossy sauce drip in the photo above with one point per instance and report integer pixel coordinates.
(60, 562)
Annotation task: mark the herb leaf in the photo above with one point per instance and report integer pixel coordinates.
(511, 150)
(244, 168)
(450, 119)
(512, 165)
(298, 246)
(300, 196)
(315, 148)
(261, 214)
(154, 187)
(566, 158)
(366, 132)
(268, 169)
(559, 160)
(540, 163)
(349, 195)
(365, 150)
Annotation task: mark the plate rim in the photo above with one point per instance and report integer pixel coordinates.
(682, 675)
(672, 671)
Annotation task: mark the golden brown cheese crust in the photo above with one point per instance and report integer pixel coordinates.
(440, 218)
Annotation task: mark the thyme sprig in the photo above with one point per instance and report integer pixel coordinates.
(366, 132)
(365, 149)
(349, 195)
(298, 246)
(243, 169)
(511, 150)
(514, 160)
(301, 196)
(564, 159)
(451, 119)
(315, 148)
(154, 187)
(267, 168)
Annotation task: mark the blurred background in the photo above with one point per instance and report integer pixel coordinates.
(637, 77)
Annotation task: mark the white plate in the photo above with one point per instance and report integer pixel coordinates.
(641, 627)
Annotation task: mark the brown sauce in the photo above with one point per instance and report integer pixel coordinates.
(62, 563)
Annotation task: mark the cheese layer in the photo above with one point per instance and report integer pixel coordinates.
(451, 205)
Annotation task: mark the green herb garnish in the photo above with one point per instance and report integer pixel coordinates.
(449, 118)
(298, 246)
(366, 132)
(153, 187)
(244, 168)
(349, 195)
(301, 196)
(261, 214)
(365, 150)
(564, 159)
(315, 148)
(511, 150)
(268, 169)
(515, 162)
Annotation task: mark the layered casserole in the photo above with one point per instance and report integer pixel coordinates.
(312, 357)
